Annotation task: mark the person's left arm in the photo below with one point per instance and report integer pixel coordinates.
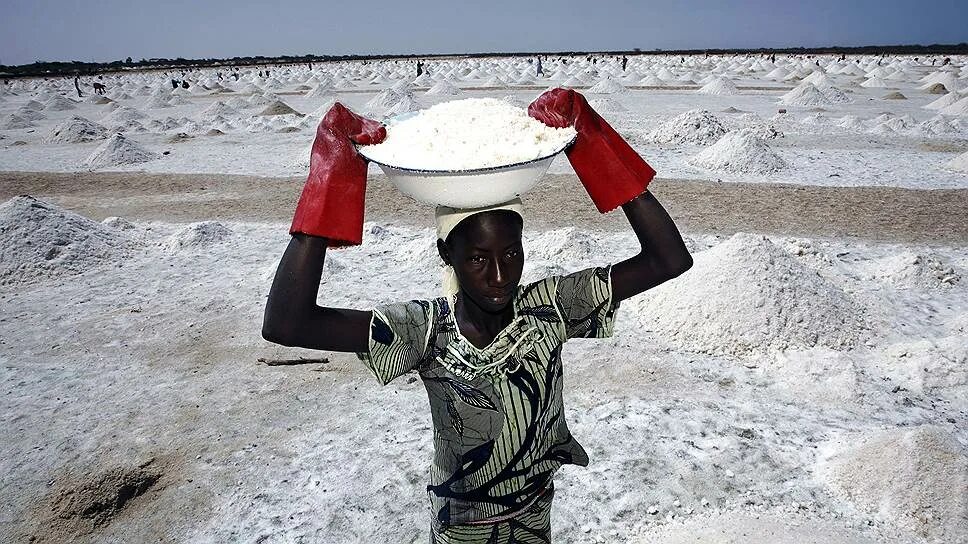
(663, 254)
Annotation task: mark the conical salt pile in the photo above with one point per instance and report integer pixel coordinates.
(607, 86)
(118, 151)
(13, 122)
(278, 108)
(739, 151)
(444, 87)
(959, 163)
(607, 105)
(203, 234)
(38, 240)
(958, 108)
(60, 103)
(692, 127)
(719, 86)
(76, 130)
(804, 95)
(780, 303)
(914, 476)
(943, 102)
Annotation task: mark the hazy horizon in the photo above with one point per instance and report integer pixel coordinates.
(62, 30)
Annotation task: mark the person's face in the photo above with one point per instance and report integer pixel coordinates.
(488, 258)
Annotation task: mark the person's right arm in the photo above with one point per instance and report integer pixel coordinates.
(329, 214)
(292, 317)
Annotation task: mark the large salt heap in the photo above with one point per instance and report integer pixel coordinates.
(745, 295)
(39, 240)
(76, 130)
(118, 151)
(720, 86)
(741, 152)
(698, 127)
(915, 477)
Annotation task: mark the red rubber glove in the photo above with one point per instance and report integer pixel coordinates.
(611, 171)
(332, 201)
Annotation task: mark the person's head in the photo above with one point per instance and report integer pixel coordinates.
(485, 251)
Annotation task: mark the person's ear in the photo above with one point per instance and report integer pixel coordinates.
(443, 252)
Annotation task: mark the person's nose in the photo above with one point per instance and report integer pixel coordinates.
(499, 273)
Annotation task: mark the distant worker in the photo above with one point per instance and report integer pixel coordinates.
(98, 87)
(419, 68)
(184, 84)
(625, 62)
(78, 87)
(539, 72)
(174, 83)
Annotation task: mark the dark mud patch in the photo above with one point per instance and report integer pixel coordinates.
(81, 502)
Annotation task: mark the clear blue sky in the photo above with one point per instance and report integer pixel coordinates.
(106, 30)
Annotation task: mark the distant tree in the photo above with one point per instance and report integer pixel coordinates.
(127, 60)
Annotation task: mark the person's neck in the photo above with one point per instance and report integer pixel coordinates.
(478, 323)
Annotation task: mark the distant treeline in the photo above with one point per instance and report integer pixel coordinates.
(64, 68)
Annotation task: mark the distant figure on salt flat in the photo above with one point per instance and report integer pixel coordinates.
(184, 84)
(625, 62)
(539, 72)
(419, 68)
(98, 87)
(77, 86)
(174, 83)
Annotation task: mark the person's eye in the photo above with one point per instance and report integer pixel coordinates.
(478, 259)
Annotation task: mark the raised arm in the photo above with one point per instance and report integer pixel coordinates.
(615, 175)
(663, 254)
(329, 213)
(292, 317)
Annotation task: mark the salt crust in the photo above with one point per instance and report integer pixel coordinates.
(40, 240)
(697, 127)
(913, 477)
(780, 303)
(467, 134)
(739, 151)
(118, 151)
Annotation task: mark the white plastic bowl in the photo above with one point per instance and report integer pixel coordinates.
(468, 188)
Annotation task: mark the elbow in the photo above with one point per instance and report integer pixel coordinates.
(272, 332)
(680, 267)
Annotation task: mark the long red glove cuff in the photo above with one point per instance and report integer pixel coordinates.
(611, 171)
(332, 201)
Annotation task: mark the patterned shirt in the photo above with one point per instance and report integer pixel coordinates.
(499, 427)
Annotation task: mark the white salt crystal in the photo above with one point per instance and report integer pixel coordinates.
(468, 134)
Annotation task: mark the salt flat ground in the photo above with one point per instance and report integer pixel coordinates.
(805, 382)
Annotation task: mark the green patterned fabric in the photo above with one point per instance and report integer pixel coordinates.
(531, 526)
(499, 427)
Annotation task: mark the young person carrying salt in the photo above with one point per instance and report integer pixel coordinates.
(488, 352)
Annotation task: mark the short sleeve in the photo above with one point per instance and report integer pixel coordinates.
(584, 299)
(398, 338)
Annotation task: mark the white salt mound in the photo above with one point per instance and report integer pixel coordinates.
(746, 295)
(697, 127)
(805, 95)
(720, 86)
(913, 477)
(607, 105)
(76, 130)
(118, 151)
(468, 134)
(444, 87)
(40, 240)
(203, 234)
(739, 151)
(959, 163)
(119, 223)
(607, 86)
